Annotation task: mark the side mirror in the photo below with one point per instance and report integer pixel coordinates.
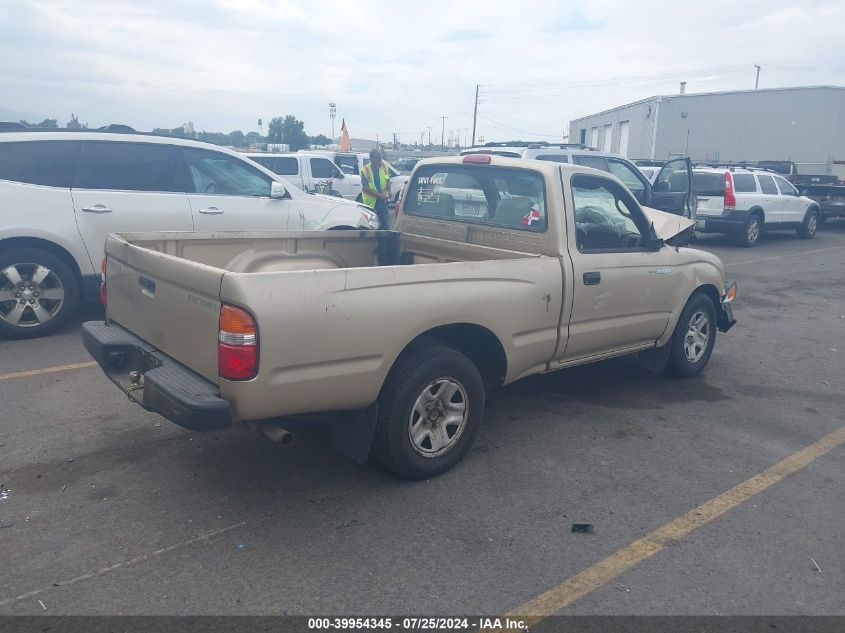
(663, 186)
(339, 175)
(277, 190)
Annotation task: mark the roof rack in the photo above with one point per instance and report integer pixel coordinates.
(545, 145)
(749, 165)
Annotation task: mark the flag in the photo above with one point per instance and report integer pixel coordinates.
(344, 137)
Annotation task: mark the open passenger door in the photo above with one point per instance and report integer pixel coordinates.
(673, 190)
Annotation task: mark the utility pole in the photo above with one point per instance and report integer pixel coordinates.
(443, 133)
(429, 135)
(757, 79)
(422, 138)
(332, 115)
(475, 114)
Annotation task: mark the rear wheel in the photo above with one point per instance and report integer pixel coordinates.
(38, 292)
(807, 230)
(430, 411)
(750, 235)
(694, 337)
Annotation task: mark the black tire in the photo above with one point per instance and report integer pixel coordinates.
(31, 315)
(810, 225)
(416, 372)
(679, 362)
(751, 231)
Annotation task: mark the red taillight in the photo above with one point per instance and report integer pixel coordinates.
(103, 281)
(478, 159)
(237, 346)
(730, 198)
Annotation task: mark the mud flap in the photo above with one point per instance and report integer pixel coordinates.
(352, 434)
(655, 359)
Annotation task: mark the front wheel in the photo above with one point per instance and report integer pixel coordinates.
(807, 230)
(38, 292)
(430, 411)
(694, 337)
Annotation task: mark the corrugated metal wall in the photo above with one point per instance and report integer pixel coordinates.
(805, 125)
(641, 116)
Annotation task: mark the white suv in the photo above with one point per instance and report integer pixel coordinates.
(745, 202)
(63, 192)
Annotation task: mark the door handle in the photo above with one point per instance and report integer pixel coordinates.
(211, 211)
(97, 208)
(592, 279)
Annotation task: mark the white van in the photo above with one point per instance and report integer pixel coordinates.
(311, 171)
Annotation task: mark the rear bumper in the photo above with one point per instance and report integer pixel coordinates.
(166, 387)
(734, 222)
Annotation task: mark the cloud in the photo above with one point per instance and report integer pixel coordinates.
(393, 66)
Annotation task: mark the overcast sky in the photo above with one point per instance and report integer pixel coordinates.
(398, 66)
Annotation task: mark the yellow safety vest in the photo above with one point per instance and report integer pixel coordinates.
(368, 181)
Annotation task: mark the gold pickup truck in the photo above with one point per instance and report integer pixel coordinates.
(497, 269)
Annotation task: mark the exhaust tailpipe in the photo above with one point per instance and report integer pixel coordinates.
(275, 433)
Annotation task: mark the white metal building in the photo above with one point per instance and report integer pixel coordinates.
(805, 125)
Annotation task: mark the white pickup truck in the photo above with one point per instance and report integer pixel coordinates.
(406, 330)
(311, 171)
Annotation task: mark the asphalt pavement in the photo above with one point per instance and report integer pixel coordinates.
(107, 509)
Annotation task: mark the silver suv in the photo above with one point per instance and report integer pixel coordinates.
(744, 202)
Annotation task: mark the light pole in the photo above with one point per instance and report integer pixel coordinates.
(332, 115)
(443, 133)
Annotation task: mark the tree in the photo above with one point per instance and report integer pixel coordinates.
(44, 123)
(237, 138)
(289, 130)
(320, 139)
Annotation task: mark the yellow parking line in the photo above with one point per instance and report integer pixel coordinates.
(47, 370)
(583, 583)
(768, 259)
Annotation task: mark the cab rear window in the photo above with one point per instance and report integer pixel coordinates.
(482, 194)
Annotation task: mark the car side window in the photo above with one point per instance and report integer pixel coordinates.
(554, 158)
(49, 163)
(767, 185)
(218, 173)
(286, 166)
(323, 168)
(626, 174)
(744, 183)
(786, 189)
(120, 166)
(606, 216)
(347, 164)
(596, 162)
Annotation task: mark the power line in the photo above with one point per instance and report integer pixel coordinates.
(514, 129)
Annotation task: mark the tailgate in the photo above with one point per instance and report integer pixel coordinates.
(171, 303)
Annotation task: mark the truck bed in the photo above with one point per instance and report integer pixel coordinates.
(332, 308)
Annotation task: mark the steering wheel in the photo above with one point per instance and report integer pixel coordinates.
(592, 215)
(211, 187)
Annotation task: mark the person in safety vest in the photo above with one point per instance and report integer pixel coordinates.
(375, 187)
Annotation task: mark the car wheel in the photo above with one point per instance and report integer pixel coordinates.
(807, 230)
(750, 235)
(430, 411)
(694, 337)
(38, 292)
